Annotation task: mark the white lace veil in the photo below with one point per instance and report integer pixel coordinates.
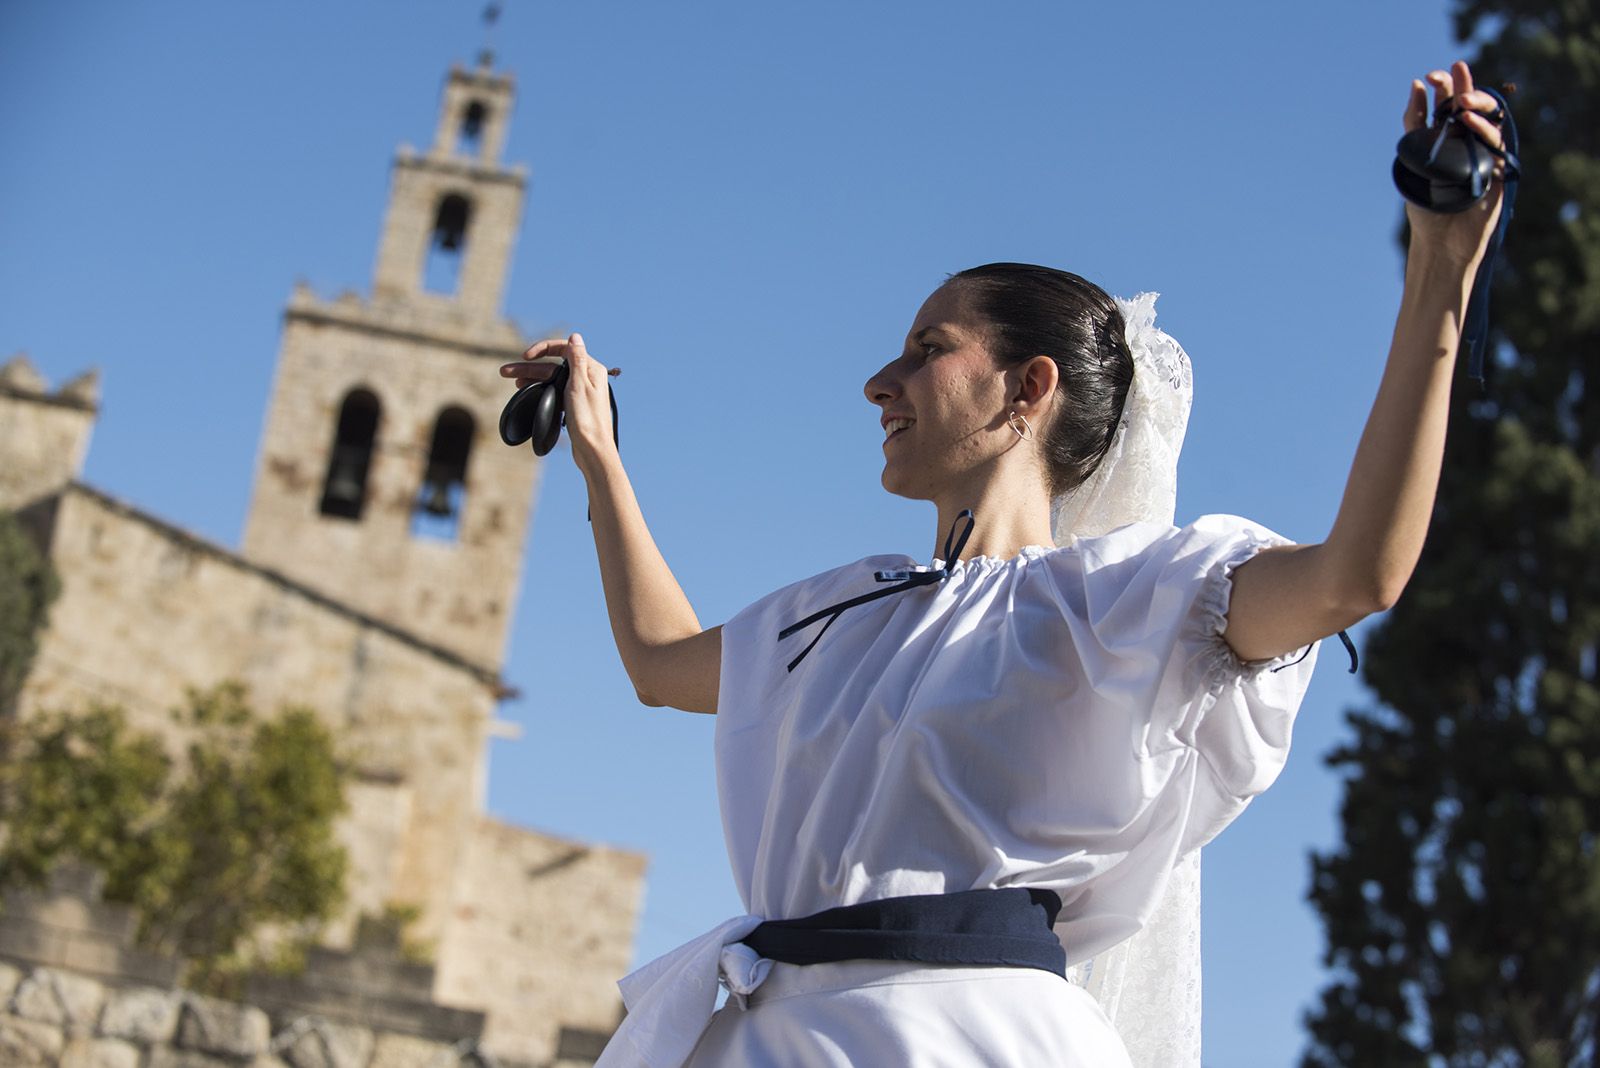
(1149, 984)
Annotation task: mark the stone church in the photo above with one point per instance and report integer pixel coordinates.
(381, 560)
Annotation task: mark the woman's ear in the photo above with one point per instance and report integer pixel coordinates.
(1036, 384)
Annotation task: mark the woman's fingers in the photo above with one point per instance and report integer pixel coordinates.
(527, 373)
(576, 354)
(581, 365)
(539, 348)
(597, 371)
(588, 416)
(1455, 89)
(1483, 128)
(1416, 115)
(1443, 87)
(525, 366)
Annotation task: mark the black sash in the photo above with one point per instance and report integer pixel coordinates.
(1009, 926)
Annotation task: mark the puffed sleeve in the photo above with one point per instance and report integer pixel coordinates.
(1238, 715)
(1173, 586)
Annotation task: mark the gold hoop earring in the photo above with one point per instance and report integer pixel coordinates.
(1011, 421)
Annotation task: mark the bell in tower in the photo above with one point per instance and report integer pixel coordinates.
(444, 481)
(372, 484)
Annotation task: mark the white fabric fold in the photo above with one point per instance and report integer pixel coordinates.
(671, 999)
(742, 970)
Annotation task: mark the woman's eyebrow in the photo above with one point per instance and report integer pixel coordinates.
(925, 331)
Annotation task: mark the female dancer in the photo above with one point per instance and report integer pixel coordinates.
(943, 787)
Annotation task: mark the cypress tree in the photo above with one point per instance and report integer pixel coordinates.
(1462, 908)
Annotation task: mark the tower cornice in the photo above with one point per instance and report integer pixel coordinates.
(461, 167)
(410, 320)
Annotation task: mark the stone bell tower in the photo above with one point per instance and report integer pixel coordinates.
(381, 480)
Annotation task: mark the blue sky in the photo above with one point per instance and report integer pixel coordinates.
(743, 205)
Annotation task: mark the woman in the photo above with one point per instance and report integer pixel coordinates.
(1006, 753)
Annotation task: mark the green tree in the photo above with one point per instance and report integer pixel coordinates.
(237, 835)
(28, 584)
(1462, 908)
(78, 786)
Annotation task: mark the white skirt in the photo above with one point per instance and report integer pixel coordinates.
(899, 1014)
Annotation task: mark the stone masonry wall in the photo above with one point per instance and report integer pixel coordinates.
(531, 929)
(44, 435)
(456, 594)
(75, 993)
(53, 1018)
(572, 905)
(147, 610)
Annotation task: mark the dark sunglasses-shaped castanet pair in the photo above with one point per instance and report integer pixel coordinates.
(536, 412)
(1446, 167)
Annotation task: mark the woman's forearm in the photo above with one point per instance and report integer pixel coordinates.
(1383, 518)
(647, 607)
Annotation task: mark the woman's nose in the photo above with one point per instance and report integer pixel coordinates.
(881, 387)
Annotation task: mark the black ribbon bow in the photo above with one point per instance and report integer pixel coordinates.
(910, 580)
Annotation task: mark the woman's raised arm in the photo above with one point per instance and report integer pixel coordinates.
(668, 657)
(1286, 597)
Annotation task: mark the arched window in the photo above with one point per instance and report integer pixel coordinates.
(469, 141)
(439, 503)
(344, 490)
(448, 247)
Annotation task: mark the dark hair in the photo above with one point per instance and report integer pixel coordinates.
(1030, 311)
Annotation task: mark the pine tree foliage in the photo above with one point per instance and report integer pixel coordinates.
(1462, 909)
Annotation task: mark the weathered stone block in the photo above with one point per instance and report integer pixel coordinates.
(212, 1025)
(406, 1051)
(70, 1002)
(143, 1014)
(330, 1045)
(378, 994)
(10, 976)
(66, 926)
(70, 903)
(537, 961)
(29, 1043)
(168, 1057)
(100, 1053)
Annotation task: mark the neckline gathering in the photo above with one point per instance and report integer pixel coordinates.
(1027, 552)
(915, 576)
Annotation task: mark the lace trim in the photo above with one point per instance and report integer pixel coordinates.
(1215, 662)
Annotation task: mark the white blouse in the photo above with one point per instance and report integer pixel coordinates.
(1069, 718)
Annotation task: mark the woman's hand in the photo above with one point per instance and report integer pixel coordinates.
(669, 657)
(587, 400)
(1462, 237)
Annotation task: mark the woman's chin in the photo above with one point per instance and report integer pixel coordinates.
(895, 480)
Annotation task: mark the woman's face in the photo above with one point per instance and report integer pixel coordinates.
(948, 386)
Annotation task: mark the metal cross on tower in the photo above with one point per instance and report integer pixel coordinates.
(491, 15)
